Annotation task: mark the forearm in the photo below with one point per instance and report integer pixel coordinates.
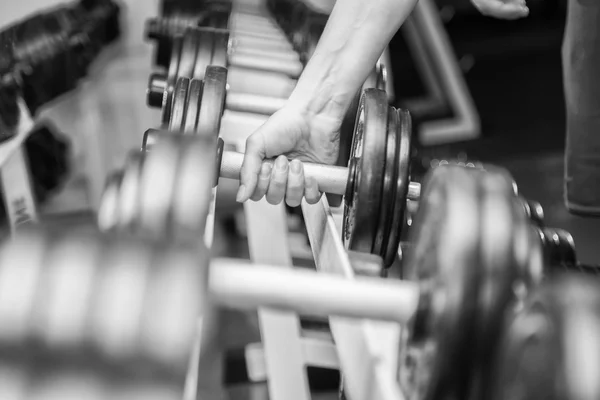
(355, 36)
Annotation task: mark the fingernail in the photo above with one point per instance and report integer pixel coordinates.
(295, 166)
(281, 164)
(241, 194)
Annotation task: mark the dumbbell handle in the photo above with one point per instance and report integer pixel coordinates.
(330, 178)
(311, 293)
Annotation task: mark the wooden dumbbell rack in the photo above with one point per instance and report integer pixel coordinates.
(18, 194)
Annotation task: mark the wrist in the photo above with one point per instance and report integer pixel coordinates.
(320, 91)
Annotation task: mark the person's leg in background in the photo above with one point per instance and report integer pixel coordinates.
(581, 74)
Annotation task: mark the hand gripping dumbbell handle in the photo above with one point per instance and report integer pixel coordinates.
(330, 178)
(311, 293)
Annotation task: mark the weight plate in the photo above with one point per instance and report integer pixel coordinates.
(346, 133)
(220, 48)
(118, 298)
(157, 186)
(361, 211)
(398, 216)
(179, 106)
(347, 128)
(64, 298)
(129, 193)
(499, 219)
(19, 283)
(108, 212)
(189, 50)
(205, 51)
(550, 349)
(193, 191)
(171, 80)
(212, 104)
(193, 106)
(436, 345)
(390, 177)
(559, 249)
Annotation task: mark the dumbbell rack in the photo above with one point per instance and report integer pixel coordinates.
(365, 351)
(17, 191)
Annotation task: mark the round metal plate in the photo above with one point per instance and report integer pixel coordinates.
(346, 133)
(398, 216)
(205, 51)
(390, 177)
(220, 48)
(193, 190)
(361, 211)
(498, 272)
(550, 349)
(212, 104)
(189, 50)
(178, 112)
(171, 80)
(129, 194)
(559, 249)
(434, 359)
(108, 212)
(193, 106)
(157, 184)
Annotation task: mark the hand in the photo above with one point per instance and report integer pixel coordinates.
(291, 133)
(502, 9)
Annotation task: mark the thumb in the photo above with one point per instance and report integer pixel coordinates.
(251, 166)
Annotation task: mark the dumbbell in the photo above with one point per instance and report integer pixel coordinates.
(502, 235)
(532, 208)
(548, 348)
(458, 258)
(375, 191)
(163, 31)
(181, 109)
(175, 16)
(190, 57)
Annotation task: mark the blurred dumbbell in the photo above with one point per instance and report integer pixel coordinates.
(111, 299)
(464, 251)
(173, 23)
(548, 347)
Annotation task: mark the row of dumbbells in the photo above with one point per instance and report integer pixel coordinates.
(46, 54)
(147, 324)
(372, 188)
(475, 280)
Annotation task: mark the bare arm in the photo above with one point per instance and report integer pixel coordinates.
(355, 36)
(307, 128)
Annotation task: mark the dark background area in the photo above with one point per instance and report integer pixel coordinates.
(514, 75)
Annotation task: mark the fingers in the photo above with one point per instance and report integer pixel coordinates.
(278, 183)
(283, 179)
(311, 191)
(251, 167)
(263, 182)
(295, 184)
(512, 9)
